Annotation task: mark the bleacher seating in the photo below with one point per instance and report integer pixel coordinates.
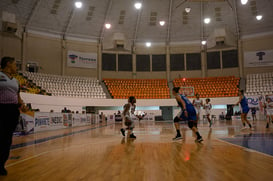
(28, 86)
(140, 88)
(68, 86)
(259, 84)
(211, 86)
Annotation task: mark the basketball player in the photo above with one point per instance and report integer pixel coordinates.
(198, 103)
(269, 111)
(244, 106)
(207, 108)
(127, 113)
(187, 113)
(253, 112)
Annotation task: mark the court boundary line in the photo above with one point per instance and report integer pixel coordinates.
(244, 148)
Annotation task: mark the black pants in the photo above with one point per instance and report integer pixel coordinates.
(9, 114)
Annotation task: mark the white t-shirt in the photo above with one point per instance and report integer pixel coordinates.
(197, 103)
(269, 108)
(207, 108)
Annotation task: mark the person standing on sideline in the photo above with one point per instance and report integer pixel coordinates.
(207, 108)
(253, 113)
(269, 111)
(127, 113)
(244, 109)
(10, 103)
(187, 113)
(198, 103)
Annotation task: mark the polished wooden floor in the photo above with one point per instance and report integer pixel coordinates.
(101, 153)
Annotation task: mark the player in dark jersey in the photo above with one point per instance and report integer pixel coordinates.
(245, 109)
(187, 113)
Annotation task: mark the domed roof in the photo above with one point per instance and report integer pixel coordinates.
(61, 17)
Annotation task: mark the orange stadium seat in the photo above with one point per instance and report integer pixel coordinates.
(140, 88)
(211, 86)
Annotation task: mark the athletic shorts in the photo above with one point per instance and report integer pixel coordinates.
(191, 115)
(207, 112)
(192, 124)
(129, 122)
(269, 112)
(245, 110)
(198, 110)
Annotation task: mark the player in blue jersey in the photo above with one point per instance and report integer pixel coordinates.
(187, 113)
(244, 109)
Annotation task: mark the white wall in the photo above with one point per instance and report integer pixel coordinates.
(46, 103)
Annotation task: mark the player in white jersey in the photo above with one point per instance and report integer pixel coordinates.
(207, 106)
(197, 103)
(127, 113)
(269, 111)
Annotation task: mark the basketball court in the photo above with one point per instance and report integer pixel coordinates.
(100, 152)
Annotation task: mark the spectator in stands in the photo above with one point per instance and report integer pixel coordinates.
(10, 103)
(65, 110)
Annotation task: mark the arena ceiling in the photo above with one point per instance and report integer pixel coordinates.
(62, 18)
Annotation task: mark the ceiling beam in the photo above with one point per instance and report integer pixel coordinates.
(32, 12)
(179, 4)
(202, 30)
(106, 14)
(137, 25)
(68, 23)
(234, 8)
(169, 22)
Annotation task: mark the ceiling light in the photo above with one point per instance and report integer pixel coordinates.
(259, 17)
(162, 23)
(78, 4)
(243, 2)
(138, 5)
(107, 25)
(203, 42)
(148, 44)
(207, 20)
(188, 9)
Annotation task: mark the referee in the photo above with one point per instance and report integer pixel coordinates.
(10, 103)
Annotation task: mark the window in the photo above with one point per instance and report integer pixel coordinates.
(109, 62)
(143, 63)
(159, 62)
(177, 62)
(230, 58)
(193, 61)
(213, 60)
(125, 62)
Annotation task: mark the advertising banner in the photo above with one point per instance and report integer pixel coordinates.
(76, 120)
(262, 58)
(82, 60)
(67, 119)
(42, 121)
(56, 121)
(25, 124)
